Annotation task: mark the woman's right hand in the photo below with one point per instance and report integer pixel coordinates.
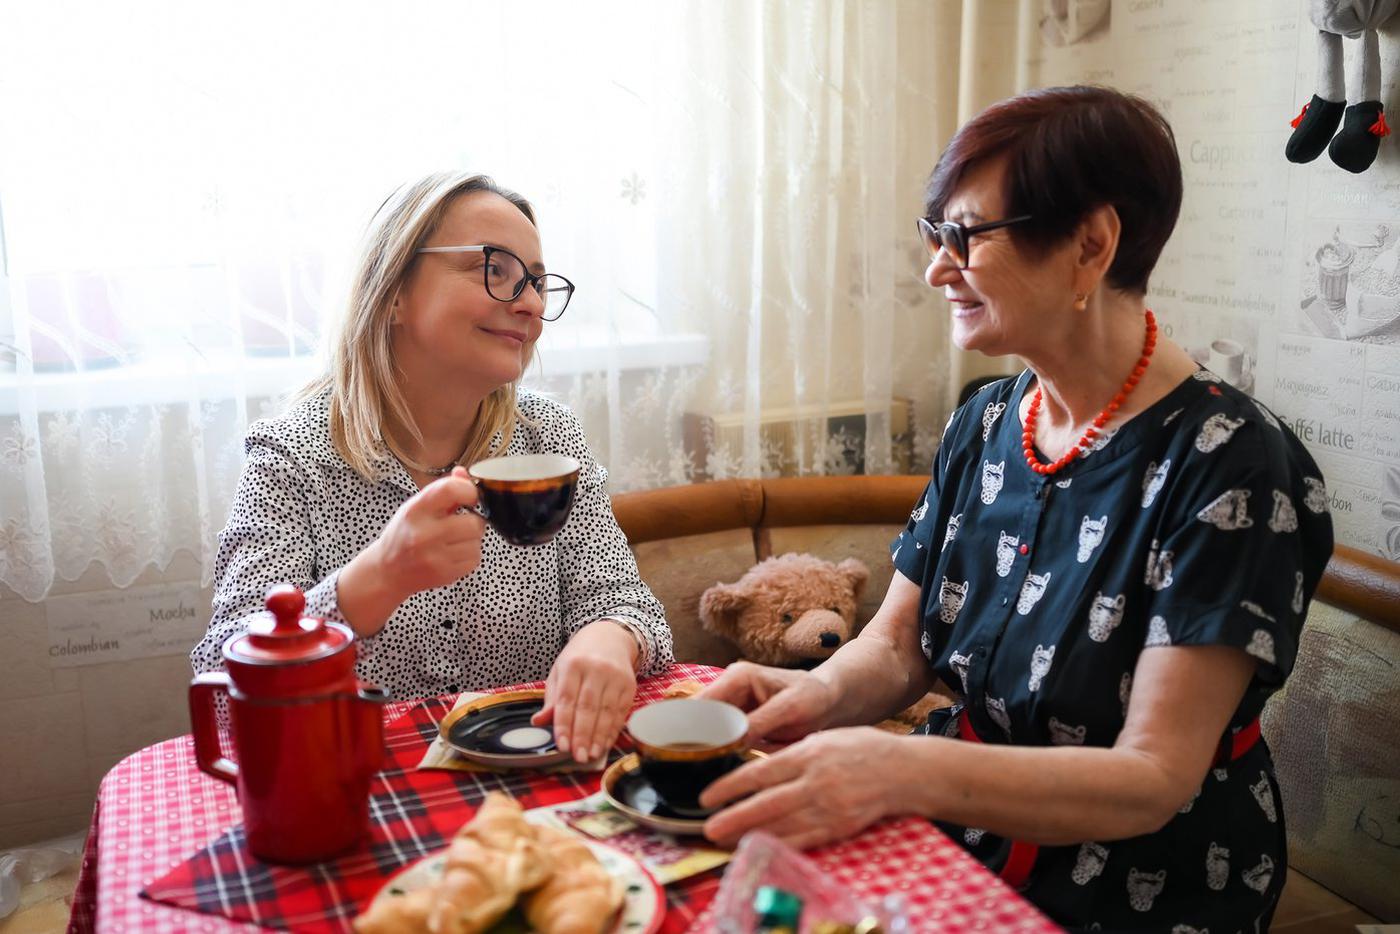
(432, 541)
(783, 704)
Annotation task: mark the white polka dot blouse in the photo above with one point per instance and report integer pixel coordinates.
(301, 513)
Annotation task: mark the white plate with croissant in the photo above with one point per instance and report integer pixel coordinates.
(504, 875)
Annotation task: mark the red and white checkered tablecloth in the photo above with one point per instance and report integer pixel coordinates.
(162, 824)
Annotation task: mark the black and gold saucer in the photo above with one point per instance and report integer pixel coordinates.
(496, 730)
(630, 792)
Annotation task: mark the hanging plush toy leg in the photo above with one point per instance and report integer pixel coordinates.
(1318, 121)
(1363, 126)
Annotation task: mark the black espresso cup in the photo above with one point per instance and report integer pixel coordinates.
(684, 745)
(526, 497)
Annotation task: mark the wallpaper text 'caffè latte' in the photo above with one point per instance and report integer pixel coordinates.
(1283, 279)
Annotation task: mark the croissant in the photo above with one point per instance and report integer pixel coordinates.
(398, 915)
(495, 857)
(476, 889)
(580, 897)
(499, 824)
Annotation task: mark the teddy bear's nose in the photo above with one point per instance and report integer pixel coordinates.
(830, 640)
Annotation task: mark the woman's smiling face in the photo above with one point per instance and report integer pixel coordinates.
(1005, 298)
(445, 320)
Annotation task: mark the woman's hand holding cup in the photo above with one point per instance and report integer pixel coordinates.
(814, 790)
(783, 704)
(817, 790)
(433, 540)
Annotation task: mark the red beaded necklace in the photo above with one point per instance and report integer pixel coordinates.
(1087, 439)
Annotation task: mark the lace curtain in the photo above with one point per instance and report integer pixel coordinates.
(731, 184)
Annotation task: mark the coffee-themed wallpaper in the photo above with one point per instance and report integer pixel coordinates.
(1284, 279)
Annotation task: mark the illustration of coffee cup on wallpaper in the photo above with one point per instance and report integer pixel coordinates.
(1227, 345)
(1351, 283)
(1068, 22)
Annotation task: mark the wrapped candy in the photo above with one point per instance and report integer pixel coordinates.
(766, 875)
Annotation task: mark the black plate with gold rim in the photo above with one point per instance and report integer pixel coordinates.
(496, 730)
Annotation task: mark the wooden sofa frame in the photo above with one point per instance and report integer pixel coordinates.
(1359, 583)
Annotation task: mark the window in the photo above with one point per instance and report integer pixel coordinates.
(183, 185)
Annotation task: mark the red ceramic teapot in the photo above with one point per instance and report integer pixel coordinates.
(307, 734)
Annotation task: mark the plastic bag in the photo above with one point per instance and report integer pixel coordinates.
(763, 860)
(19, 868)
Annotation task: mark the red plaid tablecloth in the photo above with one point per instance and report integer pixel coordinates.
(155, 808)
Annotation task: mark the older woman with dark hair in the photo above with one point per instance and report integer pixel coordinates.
(1112, 563)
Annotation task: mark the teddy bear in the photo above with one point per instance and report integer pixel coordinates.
(794, 611)
(1354, 103)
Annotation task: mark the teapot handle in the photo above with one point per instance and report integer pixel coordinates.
(208, 756)
(369, 700)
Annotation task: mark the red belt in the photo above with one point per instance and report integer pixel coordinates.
(1021, 859)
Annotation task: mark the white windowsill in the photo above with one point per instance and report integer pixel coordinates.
(151, 382)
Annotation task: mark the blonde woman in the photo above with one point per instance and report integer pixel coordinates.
(355, 493)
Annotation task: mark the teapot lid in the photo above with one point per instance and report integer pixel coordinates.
(288, 637)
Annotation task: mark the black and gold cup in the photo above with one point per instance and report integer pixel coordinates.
(684, 745)
(526, 497)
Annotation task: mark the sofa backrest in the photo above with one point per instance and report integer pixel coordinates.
(1335, 736)
(687, 538)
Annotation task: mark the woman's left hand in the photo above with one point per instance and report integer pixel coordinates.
(590, 690)
(817, 790)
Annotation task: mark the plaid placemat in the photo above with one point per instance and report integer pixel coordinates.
(412, 813)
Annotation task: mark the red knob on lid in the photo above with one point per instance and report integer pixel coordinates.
(285, 603)
(288, 636)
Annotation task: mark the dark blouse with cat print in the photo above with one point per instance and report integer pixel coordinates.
(1202, 521)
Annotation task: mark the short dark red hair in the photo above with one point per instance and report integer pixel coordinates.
(1070, 150)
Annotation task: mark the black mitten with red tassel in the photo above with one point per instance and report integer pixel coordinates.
(1363, 128)
(1313, 128)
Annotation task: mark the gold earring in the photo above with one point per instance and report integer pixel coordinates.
(1081, 301)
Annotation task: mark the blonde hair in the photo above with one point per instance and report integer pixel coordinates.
(363, 391)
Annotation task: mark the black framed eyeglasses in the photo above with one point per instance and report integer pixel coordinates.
(505, 277)
(954, 237)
